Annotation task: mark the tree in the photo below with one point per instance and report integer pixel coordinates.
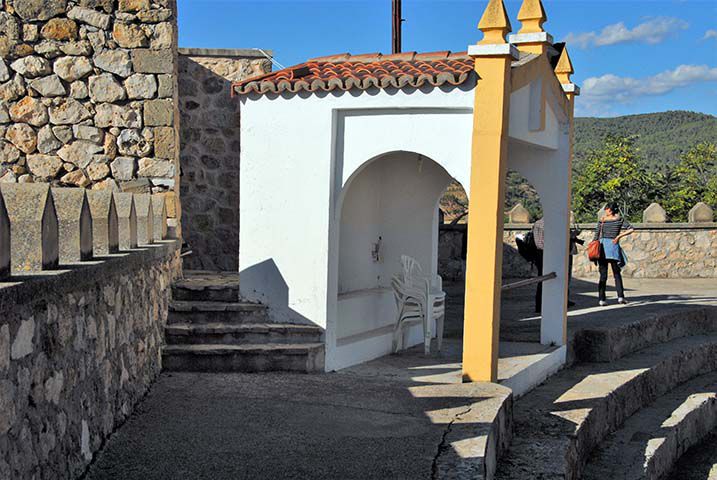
(695, 181)
(612, 173)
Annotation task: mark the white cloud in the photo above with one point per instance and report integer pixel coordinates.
(710, 34)
(610, 88)
(652, 31)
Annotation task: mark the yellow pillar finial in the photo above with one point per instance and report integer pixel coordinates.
(532, 16)
(564, 68)
(494, 23)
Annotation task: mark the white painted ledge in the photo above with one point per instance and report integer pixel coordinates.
(537, 37)
(493, 49)
(571, 88)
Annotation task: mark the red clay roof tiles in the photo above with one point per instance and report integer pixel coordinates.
(346, 72)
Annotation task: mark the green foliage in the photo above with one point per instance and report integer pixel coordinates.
(613, 173)
(694, 180)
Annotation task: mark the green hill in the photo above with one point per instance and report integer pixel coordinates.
(662, 137)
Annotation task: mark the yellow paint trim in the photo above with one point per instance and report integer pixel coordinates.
(494, 23)
(532, 16)
(564, 68)
(484, 263)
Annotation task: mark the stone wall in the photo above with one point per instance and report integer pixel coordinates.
(88, 93)
(210, 152)
(78, 349)
(654, 251)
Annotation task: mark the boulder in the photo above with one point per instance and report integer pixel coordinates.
(131, 143)
(114, 61)
(39, 9)
(31, 66)
(34, 244)
(104, 88)
(49, 86)
(75, 224)
(141, 86)
(46, 167)
(90, 17)
(22, 136)
(68, 111)
(60, 29)
(71, 68)
(29, 110)
(155, 167)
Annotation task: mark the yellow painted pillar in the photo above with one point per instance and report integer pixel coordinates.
(563, 71)
(489, 164)
(531, 38)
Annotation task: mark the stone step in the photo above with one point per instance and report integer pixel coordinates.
(699, 463)
(234, 334)
(305, 357)
(200, 285)
(653, 439)
(182, 311)
(558, 424)
(611, 342)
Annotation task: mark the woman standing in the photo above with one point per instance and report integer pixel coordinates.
(611, 229)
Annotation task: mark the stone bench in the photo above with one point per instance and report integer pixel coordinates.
(34, 244)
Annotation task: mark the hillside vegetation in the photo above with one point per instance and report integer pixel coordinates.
(661, 138)
(656, 142)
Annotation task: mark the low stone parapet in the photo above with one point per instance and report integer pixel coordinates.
(159, 217)
(78, 349)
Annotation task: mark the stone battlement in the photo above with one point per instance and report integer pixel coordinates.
(44, 228)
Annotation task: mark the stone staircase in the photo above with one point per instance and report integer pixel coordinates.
(210, 329)
(628, 412)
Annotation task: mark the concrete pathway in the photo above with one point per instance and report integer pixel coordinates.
(386, 419)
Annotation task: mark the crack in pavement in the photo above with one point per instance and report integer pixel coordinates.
(442, 447)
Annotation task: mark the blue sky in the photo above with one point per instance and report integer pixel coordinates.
(630, 56)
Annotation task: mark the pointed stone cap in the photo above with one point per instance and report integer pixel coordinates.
(34, 244)
(4, 241)
(145, 222)
(494, 23)
(564, 68)
(127, 216)
(105, 229)
(159, 211)
(519, 214)
(75, 224)
(532, 16)
(654, 214)
(701, 213)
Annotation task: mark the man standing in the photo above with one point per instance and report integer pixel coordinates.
(539, 239)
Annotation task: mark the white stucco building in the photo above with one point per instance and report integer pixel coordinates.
(343, 162)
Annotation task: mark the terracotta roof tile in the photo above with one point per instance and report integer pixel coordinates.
(345, 72)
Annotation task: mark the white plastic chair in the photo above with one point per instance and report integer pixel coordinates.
(430, 298)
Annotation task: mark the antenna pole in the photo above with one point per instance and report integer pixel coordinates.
(396, 27)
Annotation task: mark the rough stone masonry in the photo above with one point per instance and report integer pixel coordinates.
(87, 93)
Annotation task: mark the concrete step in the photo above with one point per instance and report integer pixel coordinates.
(306, 357)
(197, 312)
(234, 334)
(611, 342)
(653, 439)
(558, 424)
(200, 285)
(699, 463)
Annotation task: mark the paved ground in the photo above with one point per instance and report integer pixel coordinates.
(362, 423)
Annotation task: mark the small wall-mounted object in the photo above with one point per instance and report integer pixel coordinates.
(74, 223)
(127, 220)
(519, 214)
(159, 217)
(654, 214)
(701, 213)
(376, 254)
(34, 244)
(145, 222)
(4, 241)
(105, 223)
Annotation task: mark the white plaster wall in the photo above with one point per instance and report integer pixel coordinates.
(297, 155)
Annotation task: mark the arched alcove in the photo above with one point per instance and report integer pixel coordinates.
(388, 208)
